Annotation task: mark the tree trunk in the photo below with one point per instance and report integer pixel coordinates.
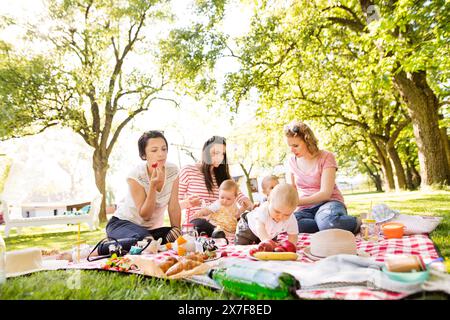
(247, 181)
(422, 106)
(378, 183)
(416, 179)
(386, 168)
(446, 143)
(400, 179)
(409, 179)
(100, 165)
(375, 177)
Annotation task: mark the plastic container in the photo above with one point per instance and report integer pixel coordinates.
(393, 230)
(408, 277)
(369, 230)
(2, 261)
(255, 283)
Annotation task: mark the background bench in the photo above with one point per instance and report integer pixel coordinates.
(90, 218)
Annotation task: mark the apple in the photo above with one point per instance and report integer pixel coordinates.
(267, 245)
(279, 249)
(288, 246)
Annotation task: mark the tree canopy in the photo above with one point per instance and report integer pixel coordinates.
(371, 68)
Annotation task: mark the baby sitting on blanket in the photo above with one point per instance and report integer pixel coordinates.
(270, 219)
(220, 218)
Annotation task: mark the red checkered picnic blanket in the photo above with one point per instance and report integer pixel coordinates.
(414, 245)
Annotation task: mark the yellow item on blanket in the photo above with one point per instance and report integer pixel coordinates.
(261, 255)
(181, 240)
(225, 219)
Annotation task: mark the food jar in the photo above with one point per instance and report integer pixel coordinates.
(369, 230)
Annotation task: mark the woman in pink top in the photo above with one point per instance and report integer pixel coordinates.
(199, 182)
(313, 173)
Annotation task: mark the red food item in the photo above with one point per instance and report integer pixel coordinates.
(253, 251)
(154, 165)
(279, 249)
(288, 246)
(224, 254)
(267, 245)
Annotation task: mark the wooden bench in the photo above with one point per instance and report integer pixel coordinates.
(91, 218)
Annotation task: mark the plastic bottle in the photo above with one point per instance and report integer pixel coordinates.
(255, 283)
(2, 261)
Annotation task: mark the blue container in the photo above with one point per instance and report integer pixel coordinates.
(408, 277)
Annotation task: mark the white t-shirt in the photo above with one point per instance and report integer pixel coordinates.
(126, 210)
(272, 227)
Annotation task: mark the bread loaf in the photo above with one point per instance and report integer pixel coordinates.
(182, 265)
(405, 263)
(167, 263)
(195, 256)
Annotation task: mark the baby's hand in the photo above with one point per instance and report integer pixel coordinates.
(194, 201)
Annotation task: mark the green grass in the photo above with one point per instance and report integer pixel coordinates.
(99, 285)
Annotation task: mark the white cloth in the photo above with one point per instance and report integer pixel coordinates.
(126, 210)
(332, 272)
(273, 228)
(417, 224)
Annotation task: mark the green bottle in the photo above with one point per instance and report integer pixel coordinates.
(255, 283)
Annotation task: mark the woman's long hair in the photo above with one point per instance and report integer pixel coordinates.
(221, 173)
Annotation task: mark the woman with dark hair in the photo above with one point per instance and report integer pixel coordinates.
(313, 172)
(152, 188)
(199, 183)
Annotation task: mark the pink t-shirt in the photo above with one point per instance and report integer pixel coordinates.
(308, 183)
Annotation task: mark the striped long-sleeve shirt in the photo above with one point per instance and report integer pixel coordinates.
(192, 182)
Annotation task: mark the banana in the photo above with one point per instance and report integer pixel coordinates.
(261, 255)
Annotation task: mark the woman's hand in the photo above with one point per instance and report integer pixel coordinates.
(157, 179)
(247, 204)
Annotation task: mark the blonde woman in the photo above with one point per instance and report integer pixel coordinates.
(313, 172)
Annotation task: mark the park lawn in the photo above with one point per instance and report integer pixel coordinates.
(100, 285)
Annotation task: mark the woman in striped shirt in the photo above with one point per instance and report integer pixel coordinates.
(199, 183)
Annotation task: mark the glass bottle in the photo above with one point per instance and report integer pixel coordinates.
(369, 230)
(255, 283)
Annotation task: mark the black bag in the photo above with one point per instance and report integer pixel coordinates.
(109, 246)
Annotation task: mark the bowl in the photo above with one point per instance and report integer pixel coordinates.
(408, 277)
(393, 230)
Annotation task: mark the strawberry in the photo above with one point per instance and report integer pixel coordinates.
(154, 165)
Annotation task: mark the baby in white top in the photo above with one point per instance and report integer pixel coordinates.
(270, 219)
